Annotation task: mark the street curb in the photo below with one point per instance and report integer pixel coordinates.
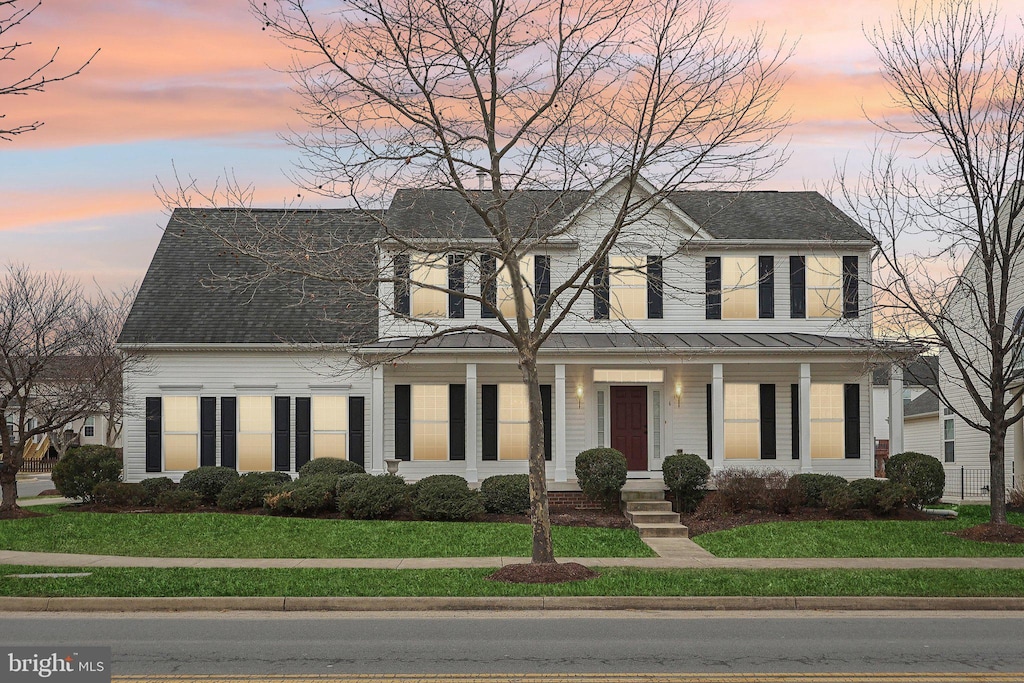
(552, 604)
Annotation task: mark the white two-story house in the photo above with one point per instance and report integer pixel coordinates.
(732, 325)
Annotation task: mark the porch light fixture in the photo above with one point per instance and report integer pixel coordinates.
(579, 396)
(679, 393)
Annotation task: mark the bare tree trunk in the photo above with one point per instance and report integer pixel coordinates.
(543, 550)
(9, 479)
(997, 475)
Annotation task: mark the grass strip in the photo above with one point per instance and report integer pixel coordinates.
(861, 538)
(614, 581)
(229, 535)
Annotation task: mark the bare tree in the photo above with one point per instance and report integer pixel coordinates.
(35, 78)
(943, 197)
(618, 103)
(54, 363)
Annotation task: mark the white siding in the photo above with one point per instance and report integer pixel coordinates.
(923, 435)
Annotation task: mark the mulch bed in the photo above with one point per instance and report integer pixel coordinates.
(992, 533)
(20, 513)
(731, 521)
(543, 572)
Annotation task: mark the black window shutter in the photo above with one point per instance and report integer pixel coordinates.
(207, 431)
(282, 433)
(713, 288)
(655, 288)
(357, 430)
(709, 426)
(545, 406)
(797, 287)
(154, 433)
(456, 283)
(303, 428)
(768, 439)
(541, 280)
(851, 425)
(851, 281)
(602, 291)
(456, 421)
(402, 284)
(228, 434)
(794, 418)
(489, 421)
(403, 422)
(766, 286)
(488, 285)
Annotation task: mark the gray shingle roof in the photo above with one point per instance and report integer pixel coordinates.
(185, 299)
(924, 404)
(922, 372)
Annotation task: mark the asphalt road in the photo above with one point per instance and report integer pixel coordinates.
(34, 484)
(317, 643)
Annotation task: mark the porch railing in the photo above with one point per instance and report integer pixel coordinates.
(38, 465)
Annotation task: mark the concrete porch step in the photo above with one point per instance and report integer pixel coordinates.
(629, 496)
(652, 517)
(637, 505)
(662, 530)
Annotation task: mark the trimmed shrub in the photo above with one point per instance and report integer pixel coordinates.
(740, 490)
(207, 482)
(77, 474)
(154, 486)
(812, 489)
(838, 501)
(446, 498)
(920, 473)
(880, 496)
(601, 473)
(347, 481)
(506, 494)
(248, 491)
(377, 497)
(333, 466)
(119, 494)
(303, 497)
(1016, 499)
(178, 500)
(686, 475)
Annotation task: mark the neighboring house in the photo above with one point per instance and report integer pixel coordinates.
(922, 429)
(920, 374)
(752, 346)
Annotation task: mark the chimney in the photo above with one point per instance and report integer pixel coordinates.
(481, 180)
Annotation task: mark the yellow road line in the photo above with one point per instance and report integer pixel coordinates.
(594, 678)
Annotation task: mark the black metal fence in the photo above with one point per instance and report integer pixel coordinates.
(973, 482)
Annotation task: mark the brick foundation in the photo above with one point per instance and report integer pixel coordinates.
(571, 499)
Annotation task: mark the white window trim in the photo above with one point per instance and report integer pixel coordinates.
(502, 422)
(726, 420)
(837, 288)
(433, 262)
(313, 431)
(754, 286)
(165, 433)
(641, 268)
(239, 432)
(945, 441)
(413, 422)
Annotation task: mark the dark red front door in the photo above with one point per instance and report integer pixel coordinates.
(629, 425)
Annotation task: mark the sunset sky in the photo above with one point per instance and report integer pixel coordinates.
(189, 83)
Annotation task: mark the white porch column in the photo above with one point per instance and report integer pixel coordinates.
(805, 418)
(717, 418)
(558, 429)
(895, 410)
(471, 458)
(377, 420)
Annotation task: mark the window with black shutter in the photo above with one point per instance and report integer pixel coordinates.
(851, 281)
(768, 430)
(851, 421)
(488, 286)
(457, 421)
(303, 430)
(207, 431)
(602, 291)
(541, 280)
(282, 433)
(357, 429)
(402, 284)
(766, 286)
(545, 406)
(154, 433)
(489, 421)
(710, 430)
(713, 288)
(403, 421)
(797, 287)
(456, 283)
(655, 288)
(794, 419)
(228, 432)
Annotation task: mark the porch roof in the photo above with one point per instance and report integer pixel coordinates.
(627, 342)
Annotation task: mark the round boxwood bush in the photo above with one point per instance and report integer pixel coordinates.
(446, 498)
(880, 496)
(154, 486)
(375, 497)
(686, 475)
(347, 481)
(119, 494)
(247, 491)
(178, 500)
(333, 466)
(920, 473)
(81, 469)
(813, 489)
(304, 497)
(506, 494)
(207, 482)
(601, 474)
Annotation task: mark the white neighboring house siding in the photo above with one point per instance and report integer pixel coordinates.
(923, 434)
(220, 373)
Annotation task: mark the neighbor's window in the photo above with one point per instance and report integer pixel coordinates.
(428, 302)
(255, 434)
(506, 300)
(181, 433)
(330, 426)
(824, 287)
(430, 422)
(513, 422)
(739, 288)
(948, 442)
(627, 280)
(90, 426)
(827, 420)
(742, 421)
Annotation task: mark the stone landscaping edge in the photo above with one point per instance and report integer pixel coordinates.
(441, 604)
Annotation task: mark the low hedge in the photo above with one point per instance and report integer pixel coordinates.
(506, 494)
(248, 491)
(374, 497)
(119, 494)
(207, 482)
(446, 498)
(178, 500)
(304, 497)
(333, 466)
(154, 486)
(813, 489)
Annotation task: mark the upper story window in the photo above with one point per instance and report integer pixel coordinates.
(739, 288)
(824, 287)
(505, 298)
(629, 288)
(90, 426)
(428, 278)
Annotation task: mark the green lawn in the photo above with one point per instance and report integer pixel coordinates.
(147, 582)
(227, 535)
(860, 539)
